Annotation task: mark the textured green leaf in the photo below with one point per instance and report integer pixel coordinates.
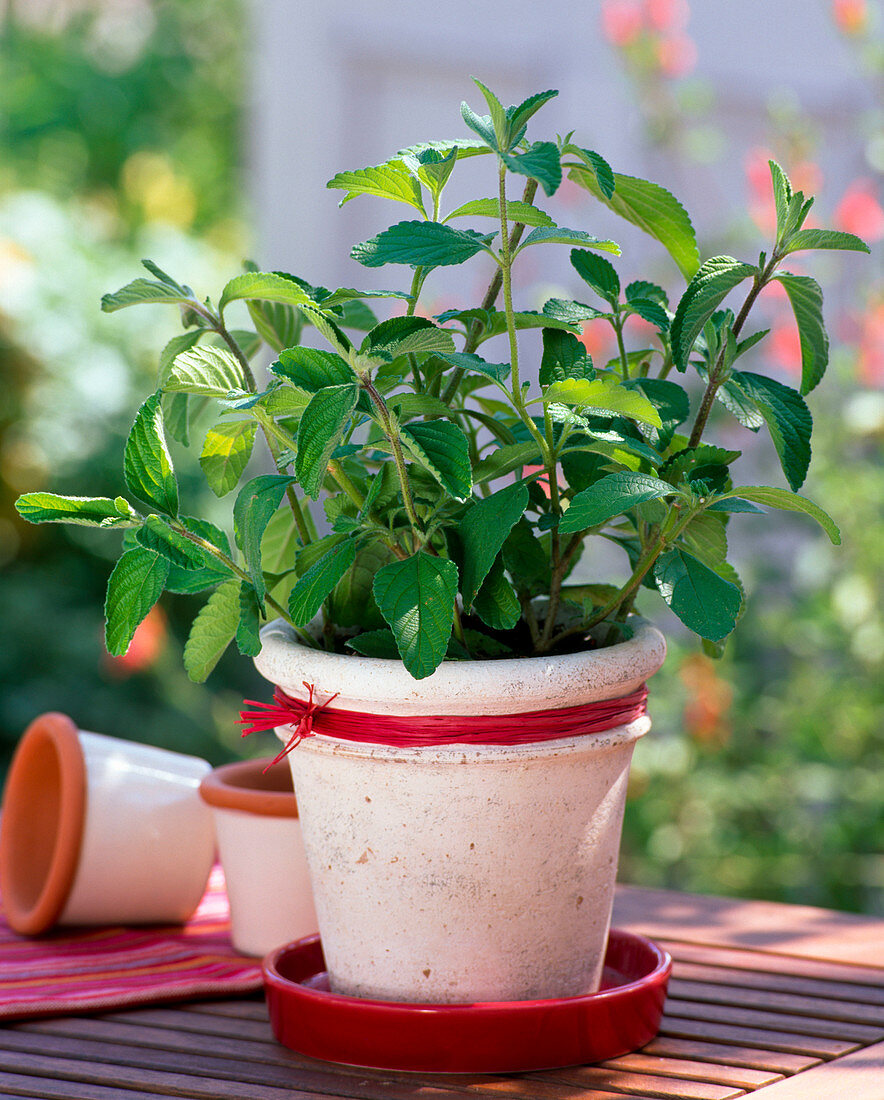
(421, 244)
(183, 342)
(706, 538)
(483, 532)
(605, 180)
(156, 535)
(141, 291)
(705, 292)
(644, 290)
(280, 543)
(352, 602)
(432, 168)
(788, 502)
(463, 147)
(324, 324)
(404, 335)
(498, 117)
(519, 116)
(443, 449)
(85, 511)
(314, 586)
(278, 325)
(496, 602)
(256, 502)
(267, 286)
(705, 602)
(207, 371)
(248, 637)
(505, 459)
(601, 393)
(650, 207)
(213, 630)
(416, 597)
(541, 162)
(526, 559)
(560, 235)
(825, 238)
(571, 313)
(739, 405)
(322, 427)
(311, 369)
(375, 643)
(806, 297)
(611, 496)
(598, 273)
(135, 585)
(386, 181)
(563, 357)
(226, 454)
(203, 570)
(516, 210)
(147, 465)
(651, 312)
(482, 125)
(782, 190)
(788, 421)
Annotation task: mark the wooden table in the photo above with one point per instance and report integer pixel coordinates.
(783, 1002)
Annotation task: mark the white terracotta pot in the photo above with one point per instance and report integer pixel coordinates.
(465, 872)
(96, 830)
(262, 852)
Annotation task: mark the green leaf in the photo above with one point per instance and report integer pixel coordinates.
(314, 587)
(226, 454)
(158, 536)
(705, 602)
(519, 116)
(321, 429)
(604, 177)
(650, 207)
(416, 597)
(443, 449)
(611, 496)
(421, 244)
(571, 313)
(706, 538)
(432, 168)
(806, 297)
(505, 459)
(542, 162)
(498, 117)
(787, 502)
(481, 125)
(280, 543)
(141, 291)
(603, 394)
(405, 335)
(184, 342)
(267, 286)
(85, 511)
(213, 630)
(670, 401)
(203, 570)
(517, 211)
(352, 602)
(311, 369)
(483, 532)
(560, 235)
(598, 273)
(338, 339)
(248, 636)
(708, 288)
(496, 602)
(788, 421)
(135, 585)
(563, 357)
(641, 289)
(207, 371)
(739, 405)
(782, 190)
(256, 502)
(278, 325)
(651, 312)
(526, 559)
(375, 643)
(386, 181)
(825, 238)
(147, 465)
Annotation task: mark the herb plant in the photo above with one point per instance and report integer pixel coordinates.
(459, 495)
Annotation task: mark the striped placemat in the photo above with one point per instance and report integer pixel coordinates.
(94, 969)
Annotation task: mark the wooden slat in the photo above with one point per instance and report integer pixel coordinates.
(791, 1043)
(642, 1084)
(16, 1084)
(858, 1076)
(744, 978)
(723, 1054)
(683, 1069)
(821, 1007)
(775, 1021)
(798, 930)
(766, 962)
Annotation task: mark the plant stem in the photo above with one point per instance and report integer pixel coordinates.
(624, 359)
(398, 457)
(506, 275)
(717, 375)
(240, 355)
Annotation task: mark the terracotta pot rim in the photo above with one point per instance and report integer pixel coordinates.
(245, 786)
(26, 913)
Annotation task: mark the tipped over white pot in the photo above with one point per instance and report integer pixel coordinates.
(463, 872)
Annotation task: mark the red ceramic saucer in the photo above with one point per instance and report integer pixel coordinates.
(486, 1037)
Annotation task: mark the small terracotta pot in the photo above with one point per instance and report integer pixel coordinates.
(262, 852)
(97, 830)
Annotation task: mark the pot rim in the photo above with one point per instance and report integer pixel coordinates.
(382, 686)
(33, 902)
(245, 786)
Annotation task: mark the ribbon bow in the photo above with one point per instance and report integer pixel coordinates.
(281, 712)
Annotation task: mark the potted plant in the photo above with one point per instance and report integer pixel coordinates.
(436, 612)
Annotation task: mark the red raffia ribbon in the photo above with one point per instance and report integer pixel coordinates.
(425, 731)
